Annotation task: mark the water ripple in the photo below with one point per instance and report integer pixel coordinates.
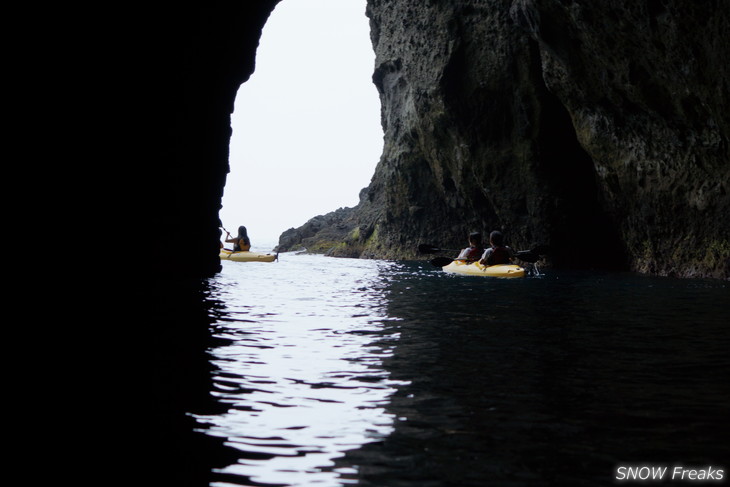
(334, 371)
(301, 370)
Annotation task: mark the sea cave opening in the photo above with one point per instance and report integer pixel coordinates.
(306, 131)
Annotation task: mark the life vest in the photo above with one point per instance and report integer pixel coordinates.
(474, 253)
(499, 255)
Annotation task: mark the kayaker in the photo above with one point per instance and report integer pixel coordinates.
(241, 242)
(498, 253)
(474, 250)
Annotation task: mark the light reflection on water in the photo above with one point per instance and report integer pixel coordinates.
(341, 371)
(302, 373)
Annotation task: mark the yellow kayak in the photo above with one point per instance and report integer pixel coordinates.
(477, 269)
(246, 256)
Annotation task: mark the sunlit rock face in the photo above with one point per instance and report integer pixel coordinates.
(600, 128)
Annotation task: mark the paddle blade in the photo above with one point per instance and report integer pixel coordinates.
(541, 250)
(533, 255)
(431, 249)
(527, 256)
(441, 261)
(428, 249)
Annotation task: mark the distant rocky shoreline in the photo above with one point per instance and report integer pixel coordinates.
(336, 233)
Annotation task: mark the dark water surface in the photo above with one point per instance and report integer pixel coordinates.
(329, 372)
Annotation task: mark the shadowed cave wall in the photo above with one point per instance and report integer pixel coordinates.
(600, 129)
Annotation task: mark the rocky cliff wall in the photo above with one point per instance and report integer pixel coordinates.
(647, 91)
(600, 128)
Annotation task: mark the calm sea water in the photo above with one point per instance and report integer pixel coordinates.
(332, 372)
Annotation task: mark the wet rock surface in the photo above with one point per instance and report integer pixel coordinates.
(598, 128)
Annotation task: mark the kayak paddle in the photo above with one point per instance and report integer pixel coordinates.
(533, 255)
(441, 261)
(430, 249)
(530, 256)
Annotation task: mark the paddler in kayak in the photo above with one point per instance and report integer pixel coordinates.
(241, 242)
(498, 253)
(475, 249)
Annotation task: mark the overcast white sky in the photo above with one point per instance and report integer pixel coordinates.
(306, 126)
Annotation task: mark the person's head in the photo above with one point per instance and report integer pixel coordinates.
(242, 232)
(496, 238)
(475, 239)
